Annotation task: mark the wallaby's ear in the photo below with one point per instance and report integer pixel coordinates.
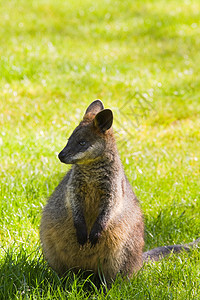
(95, 107)
(103, 120)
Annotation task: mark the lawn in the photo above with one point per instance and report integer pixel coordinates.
(142, 59)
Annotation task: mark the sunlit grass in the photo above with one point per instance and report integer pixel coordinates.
(142, 59)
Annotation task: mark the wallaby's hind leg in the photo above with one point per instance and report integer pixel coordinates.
(160, 252)
(132, 262)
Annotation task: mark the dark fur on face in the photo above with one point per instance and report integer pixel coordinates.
(88, 141)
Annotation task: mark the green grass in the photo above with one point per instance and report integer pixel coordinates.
(142, 59)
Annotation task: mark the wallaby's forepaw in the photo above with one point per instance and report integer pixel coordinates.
(93, 238)
(95, 235)
(82, 236)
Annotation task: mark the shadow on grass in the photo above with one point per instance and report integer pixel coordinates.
(25, 274)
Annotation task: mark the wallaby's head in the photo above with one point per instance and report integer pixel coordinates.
(91, 137)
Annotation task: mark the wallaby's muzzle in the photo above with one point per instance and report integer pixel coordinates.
(65, 156)
(61, 156)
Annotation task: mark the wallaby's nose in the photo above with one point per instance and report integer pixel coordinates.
(61, 156)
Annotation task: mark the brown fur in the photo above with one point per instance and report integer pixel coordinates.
(93, 219)
(120, 242)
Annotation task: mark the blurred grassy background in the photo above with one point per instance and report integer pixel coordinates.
(142, 59)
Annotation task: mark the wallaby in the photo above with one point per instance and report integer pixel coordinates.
(93, 220)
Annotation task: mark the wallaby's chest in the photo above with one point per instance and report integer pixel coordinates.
(91, 203)
(87, 190)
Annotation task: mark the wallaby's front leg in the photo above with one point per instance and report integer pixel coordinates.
(99, 226)
(79, 221)
(106, 204)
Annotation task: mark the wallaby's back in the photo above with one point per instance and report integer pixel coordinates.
(92, 220)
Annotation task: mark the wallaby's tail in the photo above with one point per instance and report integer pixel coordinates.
(160, 252)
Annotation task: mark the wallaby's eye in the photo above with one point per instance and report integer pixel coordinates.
(82, 143)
